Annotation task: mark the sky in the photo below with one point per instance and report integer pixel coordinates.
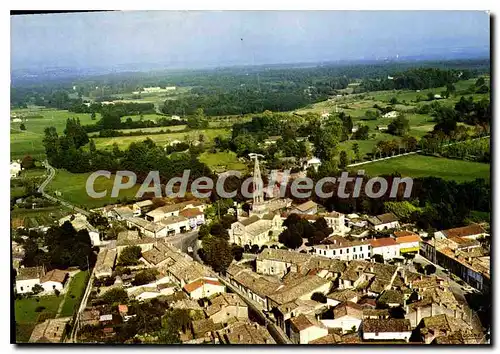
(184, 39)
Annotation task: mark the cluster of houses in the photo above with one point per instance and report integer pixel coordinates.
(318, 300)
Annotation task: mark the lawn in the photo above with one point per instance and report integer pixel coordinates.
(74, 293)
(422, 166)
(222, 161)
(72, 189)
(25, 308)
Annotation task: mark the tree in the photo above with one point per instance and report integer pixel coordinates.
(115, 295)
(355, 149)
(237, 252)
(393, 101)
(326, 138)
(291, 238)
(22, 126)
(130, 256)
(430, 269)
(218, 253)
(343, 160)
(399, 126)
(92, 116)
(378, 258)
(480, 82)
(144, 277)
(28, 162)
(37, 289)
(319, 297)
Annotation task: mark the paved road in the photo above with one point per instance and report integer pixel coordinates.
(83, 304)
(41, 189)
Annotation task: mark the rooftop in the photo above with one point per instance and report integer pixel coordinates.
(470, 230)
(55, 275)
(386, 325)
(306, 206)
(383, 242)
(30, 273)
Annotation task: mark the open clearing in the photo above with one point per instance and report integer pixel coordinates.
(423, 166)
(72, 189)
(161, 139)
(35, 217)
(74, 293)
(222, 161)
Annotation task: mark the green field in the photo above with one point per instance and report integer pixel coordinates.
(26, 316)
(25, 308)
(35, 217)
(161, 139)
(72, 189)
(423, 166)
(74, 294)
(222, 161)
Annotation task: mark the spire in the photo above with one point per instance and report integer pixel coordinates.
(257, 183)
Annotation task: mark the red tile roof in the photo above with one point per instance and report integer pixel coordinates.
(199, 283)
(383, 242)
(408, 238)
(473, 229)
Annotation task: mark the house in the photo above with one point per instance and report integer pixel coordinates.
(337, 247)
(313, 162)
(407, 241)
(433, 327)
(90, 317)
(194, 216)
(129, 238)
(245, 333)
(255, 230)
(308, 208)
(392, 329)
(300, 288)
(391, 114)
(203, 330)
(347, 315)
(304, 329)
(472, 231)
(50, 331)
(54, 280)
(339, 296)
(391, 298)
(336, 221)
(27, 278)
(226, 306)
(204, 288)
(148, 229)
(382, 127)
(387, 247)
(105, 262)
(142, 207)
(119, 213)
(285, 312)
(15, 169)
(384, 222)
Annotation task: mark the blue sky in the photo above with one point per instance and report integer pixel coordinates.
(196, 39)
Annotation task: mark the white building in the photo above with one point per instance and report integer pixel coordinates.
(27, 278)
(226, 306)
(15, 169)
(255, 230)
(391, 114)
(313, 162)
(387, 247)
(337, 247)
(204, 288)
(307, 208)
(54, 280)
(472, 231)
(336, 221)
